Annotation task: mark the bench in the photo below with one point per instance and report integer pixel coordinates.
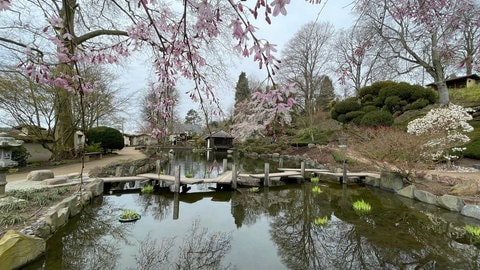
(93, 154)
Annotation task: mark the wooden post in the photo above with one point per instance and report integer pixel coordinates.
(157, 166)
(302, 169)
(266, 181)
(176, 206)
(225, 165)
(280, 162)
(118, 171)
(177, 179)
(234, 176)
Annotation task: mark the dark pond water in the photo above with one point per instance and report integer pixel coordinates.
(270, 229)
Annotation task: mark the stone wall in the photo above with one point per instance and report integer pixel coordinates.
(20, 248)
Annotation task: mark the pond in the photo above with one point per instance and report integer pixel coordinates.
(274, 228)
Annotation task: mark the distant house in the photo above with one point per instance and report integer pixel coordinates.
(459, 82)
(137, 139)
(219, 140)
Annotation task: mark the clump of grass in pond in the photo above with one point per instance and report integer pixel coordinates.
(129, 214)
(147, 189)
(316, 190)
(314, 180)
(474, 231)
(362, 207)
(254, 189)
(321, 221)
(188, 175)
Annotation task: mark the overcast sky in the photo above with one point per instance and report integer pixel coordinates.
(283, 28)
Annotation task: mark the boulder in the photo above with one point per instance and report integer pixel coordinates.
(95, 187)
(407, 191)
(391, 181)
(425, 196)
(450, 202)
(17, 249)
(56, 180)
(40, 175)
(471, 210)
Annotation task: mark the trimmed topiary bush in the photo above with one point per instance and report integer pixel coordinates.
(20, 155)
(108, 138)
(377, 119)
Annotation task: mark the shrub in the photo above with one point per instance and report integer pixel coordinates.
(393, 104)
(347, 105)
(417, 104)
(109, 138)
(20, 155)
(354, 116)
(377, 118)
(373, 89)
(96, 147)
(369, 108)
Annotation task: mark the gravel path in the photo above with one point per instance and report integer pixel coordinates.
(18, 180)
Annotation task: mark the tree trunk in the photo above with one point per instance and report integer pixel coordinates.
(64, 129)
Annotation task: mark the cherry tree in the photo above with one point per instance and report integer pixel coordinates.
(421, 33)
(49, 39)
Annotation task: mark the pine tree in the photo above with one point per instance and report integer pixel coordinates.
(242, 91)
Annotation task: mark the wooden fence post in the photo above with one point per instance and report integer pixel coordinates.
(266, 181)
(234, 176)
(177, 179)
(157, 166)
(302, 169)
(280, 162)
(225, 165)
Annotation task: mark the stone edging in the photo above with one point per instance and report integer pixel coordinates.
(20, 248)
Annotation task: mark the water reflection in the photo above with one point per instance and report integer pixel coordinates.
(271, 229)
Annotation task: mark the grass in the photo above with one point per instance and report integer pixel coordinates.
(362, 207)
(18, 212)
(147, 189)
(129, 214)
(254, 189)
(321, 221)
(316, 190)
(465, 96)
(474, 231)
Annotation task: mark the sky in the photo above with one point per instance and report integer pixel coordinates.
(136, 73)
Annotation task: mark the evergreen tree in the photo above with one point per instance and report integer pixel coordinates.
(327, 92)
(242, 91)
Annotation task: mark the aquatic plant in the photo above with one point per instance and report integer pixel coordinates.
(254, 189)
(129, 214)
(474, 231)
(362, 207)
(316, 190)
(321, 221)
(314, 180)
(147, 189)
(188, 175)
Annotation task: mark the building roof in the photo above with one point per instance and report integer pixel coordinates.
(218, 134)
(460, 78)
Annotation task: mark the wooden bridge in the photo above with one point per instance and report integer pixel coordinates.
(231, 177)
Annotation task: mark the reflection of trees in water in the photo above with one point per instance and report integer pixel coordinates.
(199, 250)
(83, 243)
(159, 206)
(377, 241)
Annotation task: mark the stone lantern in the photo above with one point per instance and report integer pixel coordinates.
(6, 145)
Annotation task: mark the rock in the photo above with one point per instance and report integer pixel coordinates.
(17, 249)
(95, 187)
(75, 175)
(407, 192)
(311, 145)
(471, 210)
(425, 196)
(40, 175)
(391, 181)
(56, 180)
(468, 188)
(450, 202)
(275, 155)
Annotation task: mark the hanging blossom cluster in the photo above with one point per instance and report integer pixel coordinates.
(68, 78)
(447, 126)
